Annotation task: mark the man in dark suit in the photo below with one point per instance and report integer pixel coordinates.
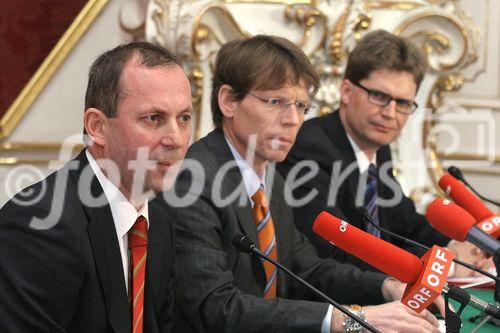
(229, 187)
(382, 77)
(83, 250)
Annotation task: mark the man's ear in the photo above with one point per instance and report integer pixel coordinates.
(227, 103)
(96, 124)
(345, 91)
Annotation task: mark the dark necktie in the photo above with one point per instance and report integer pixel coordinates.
(138, 244)
(267, 240)
(370, 201)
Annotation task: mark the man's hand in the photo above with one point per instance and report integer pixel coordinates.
(469, 253)
(392, 317)
(393, 290)
(396, 317)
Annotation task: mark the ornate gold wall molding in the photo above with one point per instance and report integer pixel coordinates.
(15, 153)
(29, 146)
(435, 41)
(12, 161)
(450, 44)
(479, 171)
(285, 2)
(394, 5)
(469, 157)
(484, 35)
(307, 17)
(335, 48)
(327, 31)
(492, 104)
(203, 33)
(443, 85)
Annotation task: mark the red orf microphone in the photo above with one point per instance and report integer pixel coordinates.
(456, 190)
(425, 276)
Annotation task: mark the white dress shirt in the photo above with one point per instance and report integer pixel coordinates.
(361, 158)
(124, 213)
(252, 183)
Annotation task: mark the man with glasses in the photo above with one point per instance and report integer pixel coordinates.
(349, 150)
(260, 96)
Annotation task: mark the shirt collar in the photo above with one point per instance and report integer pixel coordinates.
(251, 180)
(124, 213)
(361, 158)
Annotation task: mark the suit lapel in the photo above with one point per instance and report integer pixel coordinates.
(275, 196)
(233, 181)
(336, 132)
(102, 234)
(155, 250)
(277, 207)
(245, 214)
(332, 125)
(384, 192)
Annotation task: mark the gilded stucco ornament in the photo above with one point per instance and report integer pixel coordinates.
(327, 30)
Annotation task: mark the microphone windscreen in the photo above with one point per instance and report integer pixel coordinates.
(449, 219)
(382, 255)
(455, 172)
(457, 191)
(243, 243)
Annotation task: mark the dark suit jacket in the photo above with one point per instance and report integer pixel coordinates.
(324, 141)
(69, 278)
(219, 289)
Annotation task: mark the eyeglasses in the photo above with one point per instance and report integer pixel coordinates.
(279, 104)
(379, 98)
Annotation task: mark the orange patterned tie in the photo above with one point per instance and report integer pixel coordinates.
(137, 244)
(267, 240)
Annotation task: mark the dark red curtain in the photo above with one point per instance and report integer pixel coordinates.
(29, 29)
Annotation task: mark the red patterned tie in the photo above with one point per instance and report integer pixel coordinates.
(137, 244)
(267, 240)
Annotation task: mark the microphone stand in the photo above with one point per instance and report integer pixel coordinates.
(452, 319)
(496, 260)
(243, 243)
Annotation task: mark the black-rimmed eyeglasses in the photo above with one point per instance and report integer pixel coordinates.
(379, 98)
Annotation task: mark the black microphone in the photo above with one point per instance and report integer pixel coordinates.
(457, 174)
(367, 218)
(245, 244)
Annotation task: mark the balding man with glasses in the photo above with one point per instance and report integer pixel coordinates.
(348, 150)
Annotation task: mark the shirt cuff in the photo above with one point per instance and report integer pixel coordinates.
(451, 272)
(325, 327)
